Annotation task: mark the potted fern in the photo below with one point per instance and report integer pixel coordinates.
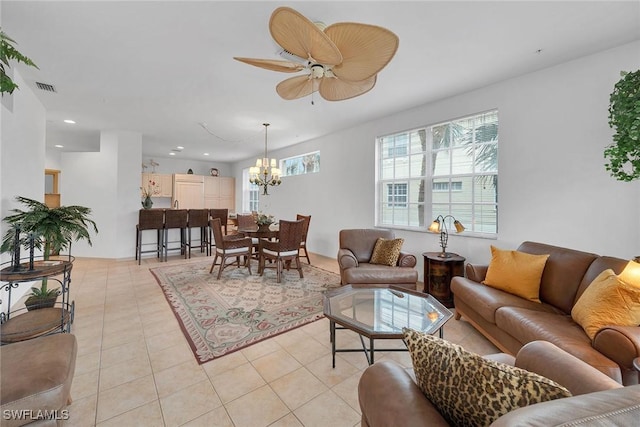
(51, 230)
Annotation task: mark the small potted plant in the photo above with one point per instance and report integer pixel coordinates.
(49, 229)
(147, 192)
(264, 221)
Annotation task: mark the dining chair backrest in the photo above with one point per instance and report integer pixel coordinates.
(216, 226)
(246, 221)
(307, 221)
(151, 219)
(290, 234)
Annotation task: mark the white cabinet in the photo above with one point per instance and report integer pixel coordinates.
(160, 183)
(219, 192)
(188, 191)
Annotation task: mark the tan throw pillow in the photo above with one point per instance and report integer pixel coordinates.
(608, 300)
(470, 390)
(515, 272)
(386, 252)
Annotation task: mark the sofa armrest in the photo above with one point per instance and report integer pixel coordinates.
(389, 397)
(618, 407)
(550, 361)
(619, 343)
(406, 260)
(477, 273)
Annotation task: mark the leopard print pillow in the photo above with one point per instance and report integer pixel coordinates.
(386, 252)
(469, 390)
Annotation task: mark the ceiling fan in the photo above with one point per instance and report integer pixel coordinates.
(342, 60)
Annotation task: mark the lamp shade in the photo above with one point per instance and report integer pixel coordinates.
(435, 226)
(458, 225)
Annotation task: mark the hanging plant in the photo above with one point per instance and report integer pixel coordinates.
(9, 52)
(624, 118)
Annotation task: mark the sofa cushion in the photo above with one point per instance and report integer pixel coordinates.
(515, 272)
(469, 390)
(386, 251)
(380, 274)
(532, 325)
(486, 300)
(607, 301)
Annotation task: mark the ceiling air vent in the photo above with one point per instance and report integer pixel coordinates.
(46, 87)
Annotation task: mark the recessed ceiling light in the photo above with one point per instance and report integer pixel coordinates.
(71, 122)
(179, 147)
(206, 154)
(172, 154)
(59, 146)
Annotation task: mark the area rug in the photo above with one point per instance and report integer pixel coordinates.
(222, 316)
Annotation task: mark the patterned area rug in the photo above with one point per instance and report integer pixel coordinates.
(222, 316)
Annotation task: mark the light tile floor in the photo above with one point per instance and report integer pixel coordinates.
(135, 367)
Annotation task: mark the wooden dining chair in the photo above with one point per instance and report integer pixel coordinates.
(232, 246)
(305, 232)
(285, 250)
(248, 221)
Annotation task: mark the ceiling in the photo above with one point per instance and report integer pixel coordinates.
(162, 68)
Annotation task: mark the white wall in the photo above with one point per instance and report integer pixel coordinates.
(553, 187)
(22, 142)
(108, 182)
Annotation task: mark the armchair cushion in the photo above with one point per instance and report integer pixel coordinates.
(607, 301)
(386, 252)
(470, 390)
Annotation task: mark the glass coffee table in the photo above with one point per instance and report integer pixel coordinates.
(381, 313)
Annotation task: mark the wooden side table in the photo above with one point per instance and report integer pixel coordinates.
(438, 273)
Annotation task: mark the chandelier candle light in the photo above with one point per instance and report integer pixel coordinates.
(439, 225)
(265, 172)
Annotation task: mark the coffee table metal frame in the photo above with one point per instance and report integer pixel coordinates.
(396, 296)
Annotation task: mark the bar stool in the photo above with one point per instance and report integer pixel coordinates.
(175, 219)
(199, 218)
(149, 219)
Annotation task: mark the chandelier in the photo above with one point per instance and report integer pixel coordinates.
(265, 172)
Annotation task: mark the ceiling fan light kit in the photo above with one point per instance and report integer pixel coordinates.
(342, 59)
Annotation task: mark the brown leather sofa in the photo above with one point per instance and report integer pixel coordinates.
(356, 248)
(510, 321)
(35, 380)
(389, 396)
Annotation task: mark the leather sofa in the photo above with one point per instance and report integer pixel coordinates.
(35, 380)
(354, 254)
(510, 322)
(389, 396)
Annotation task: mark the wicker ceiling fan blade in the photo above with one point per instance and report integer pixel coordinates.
(334, 89)
(296, 87)
(366, 49)
(301, 37)
(273, 64)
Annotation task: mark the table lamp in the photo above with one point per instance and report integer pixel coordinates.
(439, 225)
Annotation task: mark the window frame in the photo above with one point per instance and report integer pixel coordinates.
(428, 178)
(283, 168)
(249, 189)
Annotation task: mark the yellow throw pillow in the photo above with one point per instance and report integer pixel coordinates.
(469, 390)
(386, 252)
(515, 272)
(608, 300)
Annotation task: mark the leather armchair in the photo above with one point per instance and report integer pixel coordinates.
(356, 248)
(388, 395)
